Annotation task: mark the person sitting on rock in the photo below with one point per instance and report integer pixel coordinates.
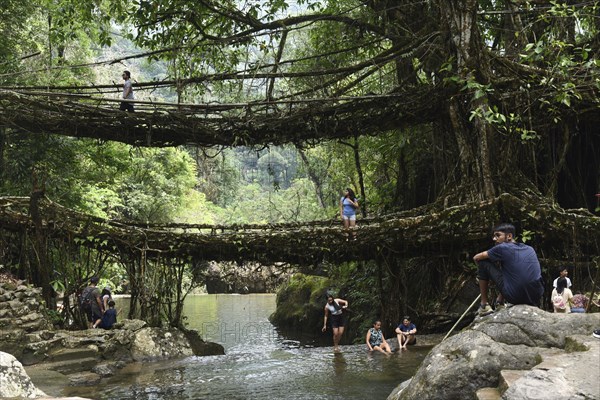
(405, 332)
(110, 316)
(514, 268)
(376, 341)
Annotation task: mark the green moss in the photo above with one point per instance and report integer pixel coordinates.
(300, 302)
(9, 286)
(573, 346)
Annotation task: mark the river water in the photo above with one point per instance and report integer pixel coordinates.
(259, 362)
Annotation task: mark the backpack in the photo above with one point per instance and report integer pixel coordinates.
(559, 302)
(86, 298)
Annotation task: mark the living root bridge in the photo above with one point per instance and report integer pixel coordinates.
(257, 123)
(459, 229)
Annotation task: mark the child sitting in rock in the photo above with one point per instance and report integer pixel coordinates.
(110, 316)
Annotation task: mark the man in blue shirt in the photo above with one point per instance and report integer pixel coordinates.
(405, 332)
(514, 268)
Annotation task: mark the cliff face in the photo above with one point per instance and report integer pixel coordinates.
(520, 338)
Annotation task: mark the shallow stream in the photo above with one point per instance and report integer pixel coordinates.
(259, 362)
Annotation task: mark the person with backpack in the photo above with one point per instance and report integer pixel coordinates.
(91, 303)
(562, 297)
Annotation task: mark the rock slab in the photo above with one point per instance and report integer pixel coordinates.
(518, 338)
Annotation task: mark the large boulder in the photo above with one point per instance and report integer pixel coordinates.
(133, 340)
(159, 344)
(300, 304)
(517, 338)
(200, 347)
(14, 381)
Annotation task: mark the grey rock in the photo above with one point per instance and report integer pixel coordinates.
(201, 347)
(84, 379)
(130, 324)
(15, 382)
(22, 288)
(570, 375)
(104, 370)
(517, 338)
(159, 344)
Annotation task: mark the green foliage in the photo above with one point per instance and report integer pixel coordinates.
(159, 181)
(300, 302)
(108, 180)
(55, 317)
(526, 235)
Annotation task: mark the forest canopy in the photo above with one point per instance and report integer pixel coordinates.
(515, 83)
(416, 105)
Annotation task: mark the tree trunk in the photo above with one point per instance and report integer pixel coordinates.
(466, 112)
(2, 146)
(41, 277)
(361, 178)
(314, 178)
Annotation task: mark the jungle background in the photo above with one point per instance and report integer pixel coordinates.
(507, 103)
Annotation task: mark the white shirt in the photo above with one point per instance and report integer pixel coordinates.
(568, 282)
(127, 89)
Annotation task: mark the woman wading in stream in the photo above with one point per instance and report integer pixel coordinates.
(334, 310)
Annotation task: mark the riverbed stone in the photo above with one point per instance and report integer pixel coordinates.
(201, 347)
(518, 338)
(84, 379)
(106, 369)
(300, 304)
(14, 381)
(159, 344)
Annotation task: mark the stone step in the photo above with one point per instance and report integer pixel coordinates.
(488, 393)
(72, 354)
(72, 366)
(53, 382)
(509, 377)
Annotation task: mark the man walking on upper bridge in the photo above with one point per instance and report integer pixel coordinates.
(514, 268)
(127, 93)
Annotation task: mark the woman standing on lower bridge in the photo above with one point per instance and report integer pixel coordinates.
(348, 207)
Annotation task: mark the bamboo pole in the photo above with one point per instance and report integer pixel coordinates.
(462, 316)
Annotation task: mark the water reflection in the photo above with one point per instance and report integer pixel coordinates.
(259, 364)
(339, 364)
